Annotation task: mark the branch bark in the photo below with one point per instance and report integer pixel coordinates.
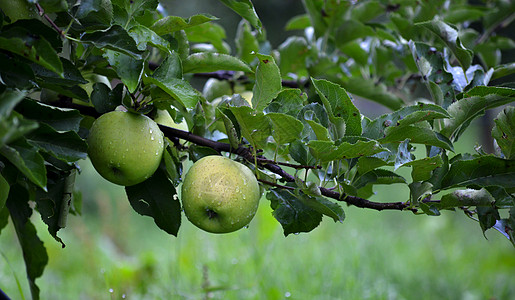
(246, 153)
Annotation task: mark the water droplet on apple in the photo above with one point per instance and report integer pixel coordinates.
(152, 138)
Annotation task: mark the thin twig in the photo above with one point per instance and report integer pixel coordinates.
(276, 185)
(294, 166)
(42, 13)
(246, 153)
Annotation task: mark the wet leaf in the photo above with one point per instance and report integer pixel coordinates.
(173, 23)
(292, 213)
(156, 197)
(504, 132)
(268, 82)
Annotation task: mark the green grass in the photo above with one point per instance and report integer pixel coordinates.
(374, 255)
(113, 253)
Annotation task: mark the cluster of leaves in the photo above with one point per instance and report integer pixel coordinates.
(431, 63)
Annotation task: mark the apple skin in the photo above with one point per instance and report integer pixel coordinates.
(220, 195)
(125, 148)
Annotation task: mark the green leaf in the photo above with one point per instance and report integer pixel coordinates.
(208, 33)
(52, 6)
(300, 153)
(320, 131)
(173, 164)
(372, 90)
(463, 14)
(135, 8)
(268, 82)
(8, 101)
(417, 135)
(61, 119)
(71, 75)
(367, 10)
(503, 70)
(507, 226)
(209, 62)
(4, 214)
(246, 42)
(403, 155)
(366, 164)
(449, 35)
(292, 213)
(129, 69)
(423, 168)
(403, 117)
(14, 127)
(16, 72)
(285, 128)
(34, 252)
(173, 23)
(168, 76)
(433, 68)
(328, 151)
(104, 99)
(502, 198)
(95, 14)
(299, 22)
(156, 197)
(34, 48)
(488, 216)
(351, 30)
(28, 161)
(255, 127)
(504, 131)
(293, 54)
(144, 36)
(474, 104)
(420, 191)
(115, 38)
(323, 206)
(339, 105)
(66, 146)
(4, 188)
(377, 176)
(289, 101)
(232, 128)
(245, 9)
(54, 205)
(480, 171)
(467, 197)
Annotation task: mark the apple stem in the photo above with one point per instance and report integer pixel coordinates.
(211, 213)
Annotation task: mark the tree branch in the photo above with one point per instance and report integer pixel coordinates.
(246, 153)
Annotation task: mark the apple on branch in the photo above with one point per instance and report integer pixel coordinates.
(125, 148)
(220, 195)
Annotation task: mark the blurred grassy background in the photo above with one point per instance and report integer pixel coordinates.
(113, 253)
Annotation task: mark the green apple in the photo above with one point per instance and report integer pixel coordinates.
(125, 148)
(220, 195)
(164, 118)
